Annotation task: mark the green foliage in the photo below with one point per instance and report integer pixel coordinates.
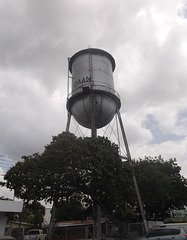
(162, 188)
(68, 165)
(32, 213)
(93, 169)
(176, 220)
(101, 174)
(70, 209)
(23, 178)
(37, 213)
(55, 167)
(45, 176)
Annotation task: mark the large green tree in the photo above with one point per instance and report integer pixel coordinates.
(87, 166)
(92, 168)
(161, 185)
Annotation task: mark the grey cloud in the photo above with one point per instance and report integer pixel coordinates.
(37, 37)
(182, 11)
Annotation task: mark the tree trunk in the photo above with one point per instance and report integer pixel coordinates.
(50, 230)
(122, 226)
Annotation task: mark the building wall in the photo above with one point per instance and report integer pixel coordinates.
(47, 216)
(3, 219)
(11, 206)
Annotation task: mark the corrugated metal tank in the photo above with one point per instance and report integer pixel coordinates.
(92, 73)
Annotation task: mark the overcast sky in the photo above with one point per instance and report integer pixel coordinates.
(148, 40)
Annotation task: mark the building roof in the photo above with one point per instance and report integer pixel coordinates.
(77, 223)
(11, 206)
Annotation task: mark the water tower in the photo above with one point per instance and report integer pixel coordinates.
(93, 101)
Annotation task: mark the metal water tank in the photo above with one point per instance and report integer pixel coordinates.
(92, 73)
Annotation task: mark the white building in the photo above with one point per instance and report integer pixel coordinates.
(8, 206)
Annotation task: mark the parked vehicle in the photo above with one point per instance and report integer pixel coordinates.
(166, 233)
(173, 225)
(35, 234)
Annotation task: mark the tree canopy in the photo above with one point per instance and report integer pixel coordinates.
(32, 213)
(88, 166)
(93, 169)
(161, 186)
